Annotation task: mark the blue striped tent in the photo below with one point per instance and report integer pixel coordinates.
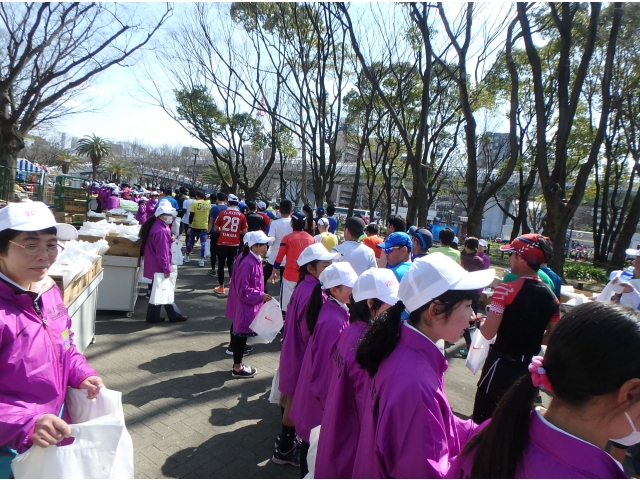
(25, 165)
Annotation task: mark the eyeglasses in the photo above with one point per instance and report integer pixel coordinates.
(388, 250)
(33, 249)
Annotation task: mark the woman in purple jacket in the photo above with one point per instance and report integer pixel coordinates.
(38, 359)
(246, 296)
(326, 316)
(592, 366)
(142, 213)
(408, 429)
(375, 291)
(312, 261)
(155, 246)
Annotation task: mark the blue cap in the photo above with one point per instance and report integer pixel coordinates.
(320, 210)
(396, 239)
(298, 215)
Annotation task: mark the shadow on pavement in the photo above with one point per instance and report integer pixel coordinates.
(234, 451)
(184, 360)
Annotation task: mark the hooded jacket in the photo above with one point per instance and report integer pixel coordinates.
(408, 429)
(245, 292)
(38, 360)
(157, 250)
(313, 382)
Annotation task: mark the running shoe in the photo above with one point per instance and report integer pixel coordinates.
(247, 352)
(201, 262)
(186, 259)
(219, 289)
(292, 457)
(212, 273)
(245, 372)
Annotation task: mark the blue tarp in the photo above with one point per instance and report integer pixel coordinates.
(435, 231)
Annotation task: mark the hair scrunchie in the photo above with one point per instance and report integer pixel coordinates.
(539, 374)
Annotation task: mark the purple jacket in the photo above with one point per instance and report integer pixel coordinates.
(552, 453)
(151, 206)
(245, 293)
(486, 260)
(408, 429)
(296, 336)
(313, 382)
(111, 202)
(38, 360)
(142, 214)
(103, 193)
(343, 407)
(157, 251)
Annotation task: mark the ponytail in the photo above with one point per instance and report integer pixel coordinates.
(314, 304)
(380, 340)
(360, 311)
(501, 443)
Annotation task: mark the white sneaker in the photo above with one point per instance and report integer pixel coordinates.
(201, 263)
(186, 259)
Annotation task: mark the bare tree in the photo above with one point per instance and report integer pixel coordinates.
(52, 51)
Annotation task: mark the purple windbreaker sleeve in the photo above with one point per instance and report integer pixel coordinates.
(162, 240)
(465, 428)
(249, 293)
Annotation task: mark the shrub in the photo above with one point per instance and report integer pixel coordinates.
(584, 271)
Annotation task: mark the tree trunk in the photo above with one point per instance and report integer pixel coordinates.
(626, 234)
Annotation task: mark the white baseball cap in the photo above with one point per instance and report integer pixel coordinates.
(232, 198)
(164, 207)
(431, 276)
(317, 251)
(341, 273)
(632, 252)
(323, 222)
(258, 236)
(482, 243)
(380, 283)
(262, 205)
(34, 216)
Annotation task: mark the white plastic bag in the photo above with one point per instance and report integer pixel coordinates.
(102, 447)
(268, 321)
(274, 396)
(175, 226)
(163, 289)
(176, 253)
(478, 351)
(314, 437)
(141, 278)
(207, 248)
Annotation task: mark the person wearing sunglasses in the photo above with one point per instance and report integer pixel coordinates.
(522, 316)
(397, 247)
(38, 357)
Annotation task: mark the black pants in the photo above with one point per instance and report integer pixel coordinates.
(238, 348)
(499, 372)
(153, 312)
(304, 466)
(214, 249)
(226, 254)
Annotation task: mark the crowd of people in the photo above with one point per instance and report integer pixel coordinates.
(366, 323)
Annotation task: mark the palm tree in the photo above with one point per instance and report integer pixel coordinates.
(118, 169)
(212, 177)
(67, 160)
(96, 148)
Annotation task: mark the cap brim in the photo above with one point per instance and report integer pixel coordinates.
(64, 231)
(507, 248)
(389, 299)
(632, 252)
(475, 280)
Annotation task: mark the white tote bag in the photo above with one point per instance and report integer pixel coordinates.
(268, 321)
(163, 289)
(102, 447)
(176, 253)
(207, 248)
(478, 351)
(314, 438)
(274, 396)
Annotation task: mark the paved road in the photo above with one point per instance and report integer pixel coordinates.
(187, 416)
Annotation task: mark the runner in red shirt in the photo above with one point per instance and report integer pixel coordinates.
(231, 224)
(291, 246)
